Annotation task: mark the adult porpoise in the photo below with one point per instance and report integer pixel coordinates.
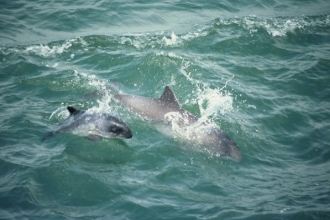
(206, 135)
(92, 124)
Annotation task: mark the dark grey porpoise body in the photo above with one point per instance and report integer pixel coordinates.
(93, 125)
(168, 109)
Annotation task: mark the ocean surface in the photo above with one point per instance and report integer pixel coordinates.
(260, 70)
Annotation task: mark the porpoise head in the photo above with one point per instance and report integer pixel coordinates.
(101, 124)
(209, 138)
(112, 126)
(221, 145)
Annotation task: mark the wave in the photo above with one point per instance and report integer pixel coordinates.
(279, 26)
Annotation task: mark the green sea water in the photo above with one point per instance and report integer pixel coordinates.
(260, 70)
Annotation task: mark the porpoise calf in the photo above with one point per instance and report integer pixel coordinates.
(93, 125)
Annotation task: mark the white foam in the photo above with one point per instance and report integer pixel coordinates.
(46, 51)
(159, 39)
(276, 27)
(201, 32)
(49, 51)
(174, 39)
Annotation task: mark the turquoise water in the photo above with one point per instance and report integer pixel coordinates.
(260, 70)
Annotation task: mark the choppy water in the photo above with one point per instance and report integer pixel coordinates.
(259, 69)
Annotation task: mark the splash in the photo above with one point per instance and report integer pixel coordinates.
(60, 113)
(96, 84)
(212, 102)
(171, 41)
(98, 98)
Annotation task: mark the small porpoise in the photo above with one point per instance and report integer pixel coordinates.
(93, 125)
(206, 135)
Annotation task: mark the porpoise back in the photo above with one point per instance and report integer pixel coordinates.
(167, 108)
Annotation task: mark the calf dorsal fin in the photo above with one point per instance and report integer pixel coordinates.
(72, 110)
(169, 96)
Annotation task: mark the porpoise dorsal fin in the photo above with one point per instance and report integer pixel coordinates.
(72, 110)
(169, 96)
